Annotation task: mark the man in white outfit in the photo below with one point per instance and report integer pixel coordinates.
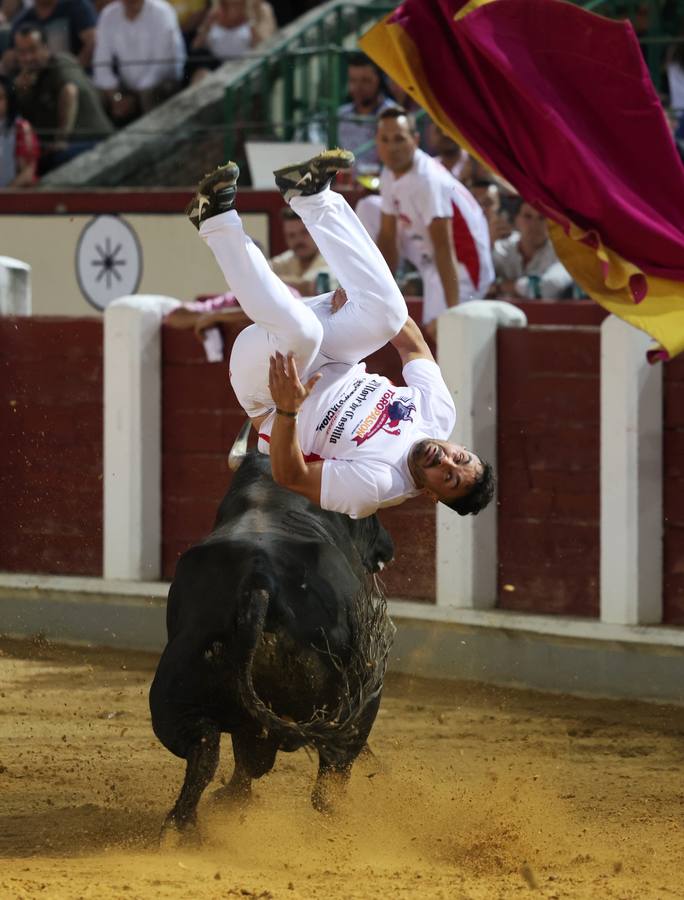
(139, 56)
(435, 217)
(347, 440)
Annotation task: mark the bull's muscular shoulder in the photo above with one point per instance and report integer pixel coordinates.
(256, 506)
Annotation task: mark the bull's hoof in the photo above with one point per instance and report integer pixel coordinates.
(321, 803)
(177, 831)
(232, 795)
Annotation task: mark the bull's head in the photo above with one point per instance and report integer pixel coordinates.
(239, 449)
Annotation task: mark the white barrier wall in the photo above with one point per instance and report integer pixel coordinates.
(467, 545)
(15, 287)
(132, 437)
(631, 478)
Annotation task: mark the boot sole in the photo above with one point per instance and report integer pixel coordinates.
(230, 172)
(335, 159)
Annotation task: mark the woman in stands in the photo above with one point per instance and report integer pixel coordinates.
(18, 142)
(229, 30)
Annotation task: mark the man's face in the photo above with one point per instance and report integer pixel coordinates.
(32, 53)
(363, 85)
(443, 144)
(445, 471)
(488, 197)
(532, 226)
(132, 8)
(396, 144)
(234, 13)
(299, 240)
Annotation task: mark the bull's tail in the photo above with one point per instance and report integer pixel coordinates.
(251, 619)
(361, 679)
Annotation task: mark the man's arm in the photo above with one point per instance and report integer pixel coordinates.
(387, 241)
(67, 110)
(410, 343)
(87, 36)
(445, 258)
(288, 466)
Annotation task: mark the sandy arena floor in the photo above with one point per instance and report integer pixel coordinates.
(473, 793)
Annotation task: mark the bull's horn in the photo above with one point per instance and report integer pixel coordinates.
(239, 449)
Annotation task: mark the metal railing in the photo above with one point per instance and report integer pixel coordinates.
(303, 80)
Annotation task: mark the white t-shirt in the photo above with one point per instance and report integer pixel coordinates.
(426, 192)
(363, 427)
(148, 49)
(675, 77)
(228, 43)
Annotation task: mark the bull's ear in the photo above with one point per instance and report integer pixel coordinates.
(239, 449)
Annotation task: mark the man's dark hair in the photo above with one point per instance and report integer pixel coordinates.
(31, 28)
(479, 495)
(484, 183)
(287, 214)
(513, 206)
(357, 58)
(396, 112)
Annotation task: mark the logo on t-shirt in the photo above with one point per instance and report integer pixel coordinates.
(386, 416)
(331, 414)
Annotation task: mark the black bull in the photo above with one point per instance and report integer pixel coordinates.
(277, 634)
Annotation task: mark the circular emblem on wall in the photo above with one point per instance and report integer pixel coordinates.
(108, 260)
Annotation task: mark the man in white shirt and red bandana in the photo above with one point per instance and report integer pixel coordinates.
(349, 441)
(435, 217)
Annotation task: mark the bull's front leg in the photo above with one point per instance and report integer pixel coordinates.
(202, 762)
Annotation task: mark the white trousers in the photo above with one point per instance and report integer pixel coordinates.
(373, 314)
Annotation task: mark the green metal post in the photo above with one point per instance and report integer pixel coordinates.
(229, 133)
(265, 94)
(287, 68)
(333, 95)
(305, 70)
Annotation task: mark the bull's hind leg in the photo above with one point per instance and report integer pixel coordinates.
(254, 757)
(331, 783)
(202, 762)
(335, 765)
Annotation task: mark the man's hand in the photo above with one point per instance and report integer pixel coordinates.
(287, 390)
(25, 80)
(338, 299)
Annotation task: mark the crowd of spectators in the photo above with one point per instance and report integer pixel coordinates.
(71, 71)
(74, 70)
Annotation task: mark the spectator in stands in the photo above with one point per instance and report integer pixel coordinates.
(68, 26)
(18, 142)
(139, 56)
(229, 30)
(487, 193)
(434, 216)
(446, 151)
(675, 78)
(356, 120)
(10, 9)
(301, 264)
(526, 264)
(57, 97)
